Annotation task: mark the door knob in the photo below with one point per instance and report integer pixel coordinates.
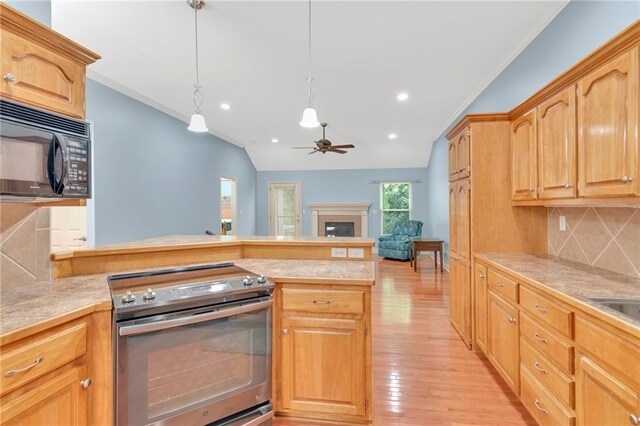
(83, 238)
(10, 77)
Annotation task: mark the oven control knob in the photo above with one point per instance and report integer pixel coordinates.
(262, 279)
(149, 294)
(247, 280)
(128, 297)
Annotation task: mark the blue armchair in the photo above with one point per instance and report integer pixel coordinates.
(397, 245)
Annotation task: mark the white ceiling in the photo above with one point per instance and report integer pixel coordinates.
(253, 55)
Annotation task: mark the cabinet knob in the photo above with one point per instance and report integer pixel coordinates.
(481, 276)
(634, 419)
(512, 320)
(568, 186)
(10, 77)
(626, 179)
(285, 331)
(85, 383)
(532, 190)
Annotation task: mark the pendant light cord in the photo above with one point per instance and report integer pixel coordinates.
(197, 94)
(309, 78)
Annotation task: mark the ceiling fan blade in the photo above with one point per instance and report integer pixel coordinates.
(314, 151)
(339, 151)
(343, 146)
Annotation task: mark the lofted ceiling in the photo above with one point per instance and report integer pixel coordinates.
(253, 56)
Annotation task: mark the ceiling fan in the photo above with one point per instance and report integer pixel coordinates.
(324, 145)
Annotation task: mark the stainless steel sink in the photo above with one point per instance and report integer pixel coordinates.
(627, 306)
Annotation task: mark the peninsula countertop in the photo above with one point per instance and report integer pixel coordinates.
(66, 298)
(571, 282)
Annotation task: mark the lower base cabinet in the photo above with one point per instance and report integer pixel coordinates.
(502, 344)
(323, 365)
(601, 399)
(61, 400)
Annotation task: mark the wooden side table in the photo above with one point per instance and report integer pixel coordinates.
(426, 244)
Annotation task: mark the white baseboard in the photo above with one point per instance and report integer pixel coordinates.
(445, 265)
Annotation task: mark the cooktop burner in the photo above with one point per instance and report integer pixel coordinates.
(153, 292)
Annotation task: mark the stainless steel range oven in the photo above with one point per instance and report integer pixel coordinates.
(192, 347)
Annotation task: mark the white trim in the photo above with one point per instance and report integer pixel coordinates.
(298, 191)
(395, 210)
(341, 209)
(475, 93)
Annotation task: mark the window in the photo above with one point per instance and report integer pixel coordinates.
(395, 204)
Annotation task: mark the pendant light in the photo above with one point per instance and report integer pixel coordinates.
(309, 116)
(197, 123)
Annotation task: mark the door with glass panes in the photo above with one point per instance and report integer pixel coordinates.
(285, 209)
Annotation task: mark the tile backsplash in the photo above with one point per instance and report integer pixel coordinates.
(24, 245)
(605, 237)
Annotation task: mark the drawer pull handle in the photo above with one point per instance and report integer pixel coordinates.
(540, 369)
(10, 78)
(322, 302)
(540, 339)
(634, 419)
(85, 383)
(541, 308)
(539, 407)
(12, 373)
(499, 284)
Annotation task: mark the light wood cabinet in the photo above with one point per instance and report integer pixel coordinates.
(453, 218)
(60, 400)
(481, 295)
(40, 67)
(453, 161)
(601, 398)
(463, 220)
(556, 142)
(607, 129)
(323, 368)
(523, 151)
(460, 155)
(322, 352)
(502, 342)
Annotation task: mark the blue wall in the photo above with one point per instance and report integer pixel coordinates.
(36, 9)
(579, 29)
(153, 177)
(343, 186)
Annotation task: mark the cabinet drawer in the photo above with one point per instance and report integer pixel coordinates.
(552, 347)
(546, 310)
(556, 382)
(41, 356)
(542, 406)
(330, 301)
(504, 286)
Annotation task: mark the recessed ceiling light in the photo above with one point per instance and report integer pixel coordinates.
(393, 136)
(274, 140)
(402, 96)
(225, 107)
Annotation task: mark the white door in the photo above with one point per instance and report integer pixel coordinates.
(228, 204)
(68, 228)
(285, 209)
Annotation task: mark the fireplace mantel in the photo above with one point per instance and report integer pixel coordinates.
(359, 210)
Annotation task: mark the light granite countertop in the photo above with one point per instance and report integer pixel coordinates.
(45, 301)
(574, 282)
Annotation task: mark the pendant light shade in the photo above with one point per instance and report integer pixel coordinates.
(197, 124)
(309, 118)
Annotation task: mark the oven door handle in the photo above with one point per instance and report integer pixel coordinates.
(132, 330)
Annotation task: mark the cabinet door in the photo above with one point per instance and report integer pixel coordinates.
(454, 290)
(453, 160)
(601, 399)
(59, 401)
(502, 343)
(323, 365)
(453, 218)
(463, 151)
(608, 160)
(524, 157)
(557, 146)
(463, 220)
(38, 76)
(480, 285)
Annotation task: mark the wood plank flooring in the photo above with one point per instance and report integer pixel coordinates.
(422, 372)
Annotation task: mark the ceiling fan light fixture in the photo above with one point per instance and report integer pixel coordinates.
(309, 118)
(197, 124)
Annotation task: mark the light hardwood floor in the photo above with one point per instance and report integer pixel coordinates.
(422, 372)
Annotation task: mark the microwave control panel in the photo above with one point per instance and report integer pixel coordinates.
(78, 161)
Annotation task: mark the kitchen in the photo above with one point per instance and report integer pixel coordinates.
(71, 320)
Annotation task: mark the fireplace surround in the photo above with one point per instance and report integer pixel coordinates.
(323, 213)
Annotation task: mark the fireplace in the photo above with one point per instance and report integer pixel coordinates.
(339, 229)
(336, 215)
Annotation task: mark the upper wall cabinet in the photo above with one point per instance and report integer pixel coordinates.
(608, 129)
(459, 155)
(41, 67)
(523, 152)
(557, 146)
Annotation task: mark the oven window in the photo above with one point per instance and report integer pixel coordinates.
(177, 369)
